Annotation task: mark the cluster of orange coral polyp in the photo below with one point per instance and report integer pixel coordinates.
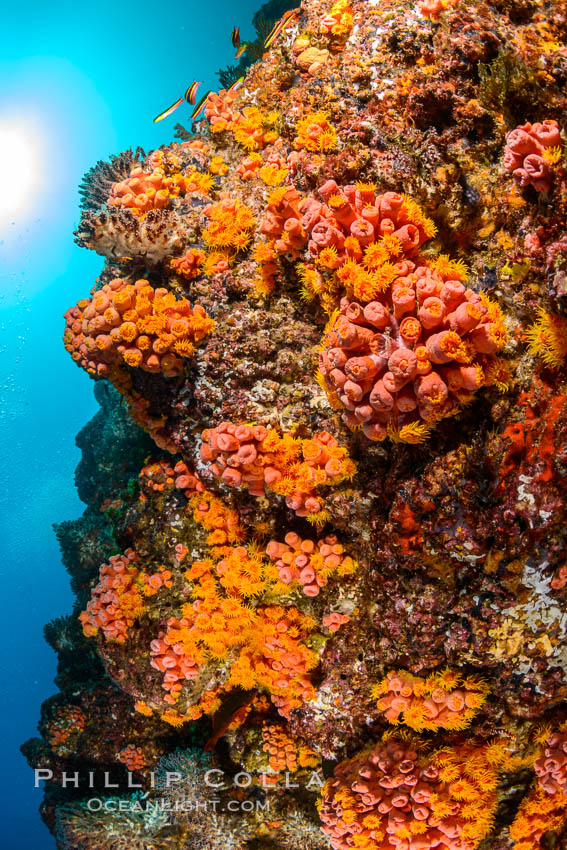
(315, 133)
(134, 325)
(66, 721)
(170, 659)
(359, 213)
(219, 110)
(265, 255)
(229, 224)
(551, 767)
(538, 814)
(406, 356)
(186, 480)
(429, 703)
(221, 522)
(235, 454)
(282, 222)
(148, 190)
(143, 190)
(246, 126)
(154, 582)
(189, 265)
(284, 751)
(116, 601)
(338, 22)
(250, 166)
(156, 476)
(262, 647)
(308, 563)
(406, 344)
(133, 757)
(335, 620)
(390, 796)
(524, 153)
(544, 809)
(284, 660)
(269, 652)
(261, 460)
(410, 341)
(272, 170)
(432, 9)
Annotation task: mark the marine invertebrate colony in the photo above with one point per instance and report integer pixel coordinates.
(544, 809)
(444, 701)
(134, 325)
(117, 600)
(309, 564)
(392, 795)
(262, 460)
(529, 151)
(410, 340)
(321, 573)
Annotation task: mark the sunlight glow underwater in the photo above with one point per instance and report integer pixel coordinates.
(21, 175)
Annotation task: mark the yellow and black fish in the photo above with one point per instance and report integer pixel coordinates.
(289, 16)
(169, 110)
(191, 92)
(199, 106)
(236, 85)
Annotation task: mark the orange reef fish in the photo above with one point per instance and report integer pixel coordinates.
(241, 50)
(192, 91)
(169, 110)
(292, 14)
(233, 710)
(199, 106)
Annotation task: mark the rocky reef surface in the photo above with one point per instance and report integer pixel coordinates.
(321, 574)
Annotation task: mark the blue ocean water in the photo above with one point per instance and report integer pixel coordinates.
(78, 82)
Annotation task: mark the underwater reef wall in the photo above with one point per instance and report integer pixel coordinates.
(321, 577)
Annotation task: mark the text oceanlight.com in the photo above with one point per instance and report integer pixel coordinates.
(162, 804)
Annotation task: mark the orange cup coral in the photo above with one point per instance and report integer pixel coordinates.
(133, 757)
(443, 701)
(307, 563)
(527, 153)
(261, 460)
(544, 809)
(116, 601)
(152, 190)
(338, 23)
(66, 722)
(134, 325)
(251, 128)
(410, 342)
(395, 795)
(315, 133)
(285, 752)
